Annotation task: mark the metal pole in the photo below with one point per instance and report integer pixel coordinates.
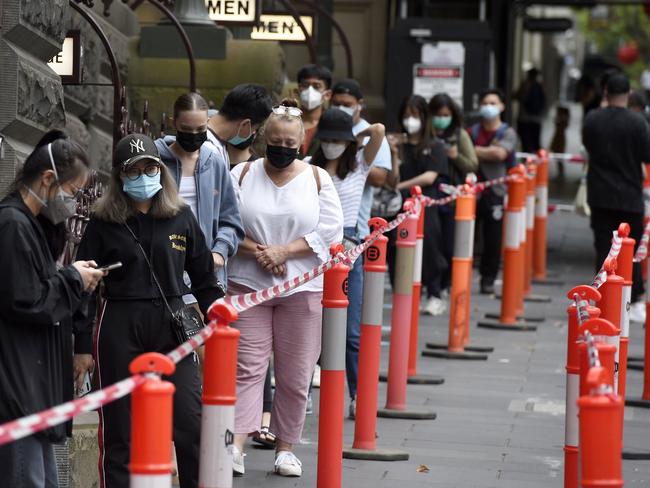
(308, 39)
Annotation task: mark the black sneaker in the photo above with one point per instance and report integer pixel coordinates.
(487, 287)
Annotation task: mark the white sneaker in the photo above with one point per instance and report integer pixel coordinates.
(287, 464)
(637, 312)
(309, 408)
(315, 381)
(435, 306)
(237, 462)
(444, 294)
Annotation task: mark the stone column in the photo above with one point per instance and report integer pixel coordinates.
(30, 92)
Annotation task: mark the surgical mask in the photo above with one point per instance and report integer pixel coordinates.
(311, 98)
(244, 145)
(63, 205)
(412, 125)
(237, 139)
(333, 150)
(489, 112)
(348, 110)
(441, 122)
(281, 156)
(190, 141)
(143, 187)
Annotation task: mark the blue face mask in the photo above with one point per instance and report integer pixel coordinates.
(489, 112)
(143, 188)
(237, 140)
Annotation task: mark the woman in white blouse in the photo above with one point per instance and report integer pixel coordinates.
(291, 215)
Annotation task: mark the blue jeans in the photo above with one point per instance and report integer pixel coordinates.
(28, 463)
(355, 297)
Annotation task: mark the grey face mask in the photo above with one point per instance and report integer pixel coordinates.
(63, 205)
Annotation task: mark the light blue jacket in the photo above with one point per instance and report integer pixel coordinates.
(217, 208)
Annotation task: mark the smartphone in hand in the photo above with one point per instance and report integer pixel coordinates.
(111, 267)
(85, 387)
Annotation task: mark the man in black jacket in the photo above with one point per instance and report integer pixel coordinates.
(618, 143)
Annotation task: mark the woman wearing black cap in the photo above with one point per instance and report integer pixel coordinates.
(349, 163)
(142, 223)
(35, 297)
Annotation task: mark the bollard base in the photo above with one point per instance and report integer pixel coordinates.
(413, 413)
(375, 454)
(517, 326)
(417, 379)
(631, 454)
(635, 358)
(520, 318)
(464, 355)
(548, 282)
(532, 298)
(637, 402)
(635, 366)
(473, 348)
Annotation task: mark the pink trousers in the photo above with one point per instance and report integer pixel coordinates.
(290, 327)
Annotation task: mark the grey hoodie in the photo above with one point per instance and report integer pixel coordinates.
(217, 209)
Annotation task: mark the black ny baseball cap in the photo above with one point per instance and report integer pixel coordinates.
(134, 148)
(348, 87)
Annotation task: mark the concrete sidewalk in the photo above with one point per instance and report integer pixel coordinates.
(501, 421)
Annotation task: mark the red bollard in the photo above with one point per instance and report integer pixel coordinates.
(413, 377)
(610, 307)
(219, 398)
(332, 386)
(461, 287)
(602, 330)
(365, 424)
(541, 217)
(601, 434)
(513, 257)
(152, 423)
(624, 261)
(646, 214)
(644, 401)
(401, 324)
(571, 431)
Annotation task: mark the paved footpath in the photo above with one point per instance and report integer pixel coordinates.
(501, 421)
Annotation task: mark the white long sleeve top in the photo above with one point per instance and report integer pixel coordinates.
(274, 215)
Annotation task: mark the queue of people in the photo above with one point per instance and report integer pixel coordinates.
(238, 200)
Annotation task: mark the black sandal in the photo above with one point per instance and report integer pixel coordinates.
(265, 438)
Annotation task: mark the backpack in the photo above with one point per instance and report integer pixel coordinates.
(511, 160)
(248, 166)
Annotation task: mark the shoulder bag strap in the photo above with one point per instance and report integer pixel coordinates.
(316, 177)
(244, 171)
(153, 274)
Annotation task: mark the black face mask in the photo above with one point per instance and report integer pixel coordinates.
(244, 145)
(191, 142)
(280, 156)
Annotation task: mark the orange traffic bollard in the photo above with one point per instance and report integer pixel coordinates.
(601, 330)
(365, 424)
(601, 413)
(646, 213)
(413, 377)
(644, 401)
(219, 398)
(513, 257)
(610, 307)
(401, 323)
(152, 423)
(541, 217)
(571, 431)
(461, 286)
(332, 386)
(624, 268)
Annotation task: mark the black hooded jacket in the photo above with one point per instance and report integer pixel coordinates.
(36, 301)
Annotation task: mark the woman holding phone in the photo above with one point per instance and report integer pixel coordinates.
(35, 297)
(142, 223)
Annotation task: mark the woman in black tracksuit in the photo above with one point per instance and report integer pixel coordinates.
(142, 213)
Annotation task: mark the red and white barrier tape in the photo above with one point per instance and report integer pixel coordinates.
(642, 250)
(581, 308)
(614, 250)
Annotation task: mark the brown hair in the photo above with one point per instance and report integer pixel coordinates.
(116, 206)
(189, 101)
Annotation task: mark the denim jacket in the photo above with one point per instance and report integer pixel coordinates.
(217, 208)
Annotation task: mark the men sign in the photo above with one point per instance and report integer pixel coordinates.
(282, 27)
(234, 11)
(67, 63)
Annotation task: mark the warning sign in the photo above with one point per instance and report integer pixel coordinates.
(431, 79)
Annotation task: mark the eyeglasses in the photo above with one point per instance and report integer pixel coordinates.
(149, 170)
(290, 111)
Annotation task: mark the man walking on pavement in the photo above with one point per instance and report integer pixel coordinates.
(495, 143)
(618, 143)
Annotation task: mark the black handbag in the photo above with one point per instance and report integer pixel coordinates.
(186, 321)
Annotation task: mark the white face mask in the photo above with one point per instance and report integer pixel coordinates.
(348, 110)
(333, 150)
(311, 98)
(412, 125)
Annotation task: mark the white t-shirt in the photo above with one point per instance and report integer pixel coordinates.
(220, 148)
(350, 190)
(275, 215)
(187, 191)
